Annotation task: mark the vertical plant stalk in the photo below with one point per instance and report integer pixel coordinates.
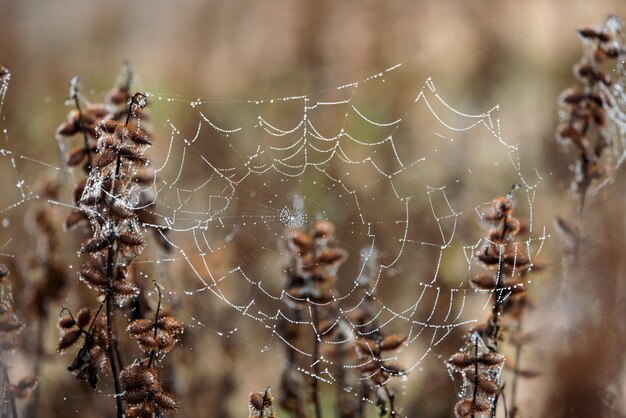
(110, 309)
(7, 382)
(110, 314)
(316, 364)
(516, 368)
(156, 320)
(33, 407)
(390, 397)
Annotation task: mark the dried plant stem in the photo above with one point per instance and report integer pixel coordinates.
(115, 370)
(33, 407)
(7, 382)
(156, 320)
(316, 365)
(110, 312)
(516, 368)
(390, 397)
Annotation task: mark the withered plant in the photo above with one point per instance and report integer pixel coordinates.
(46, 272)
(590, 337)
(311, 272)
(143, 392)
(261, 405)
(584, 121)
(314, 260)
(373, 347)
(115, 208)
(509, 264)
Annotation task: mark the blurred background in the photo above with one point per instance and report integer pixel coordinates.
(517, 55)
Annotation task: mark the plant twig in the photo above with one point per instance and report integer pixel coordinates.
(316, 365)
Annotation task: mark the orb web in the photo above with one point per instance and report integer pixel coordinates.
(404, 181)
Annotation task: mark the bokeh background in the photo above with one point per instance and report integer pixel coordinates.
(480, 53)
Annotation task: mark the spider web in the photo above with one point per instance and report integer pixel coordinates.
(404, 180)
(230, 186)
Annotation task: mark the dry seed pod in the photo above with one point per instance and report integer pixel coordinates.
(66, 322)
(371, 366)
(323, 229)
(484, 282)
(299, 242)
(331, 256)
(136, 376)
(500, 207)
(392, 342)
(367, 347)
(83, 318)
(25, 386)
(68, 339)
(122, 289)
(491, 359)
(140, 326)
(138, 136)
(93, 277)
(165, 343)
(134, 396)
(256, 401)
(394, 369)
(166, 402)
(170, 324)
(94, 244)
(130, 241)
(77, 155)
(467, 407)
(485, 385)
(106, 158)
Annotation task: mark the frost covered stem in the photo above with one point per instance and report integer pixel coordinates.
(316, 365)
(111, 335)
